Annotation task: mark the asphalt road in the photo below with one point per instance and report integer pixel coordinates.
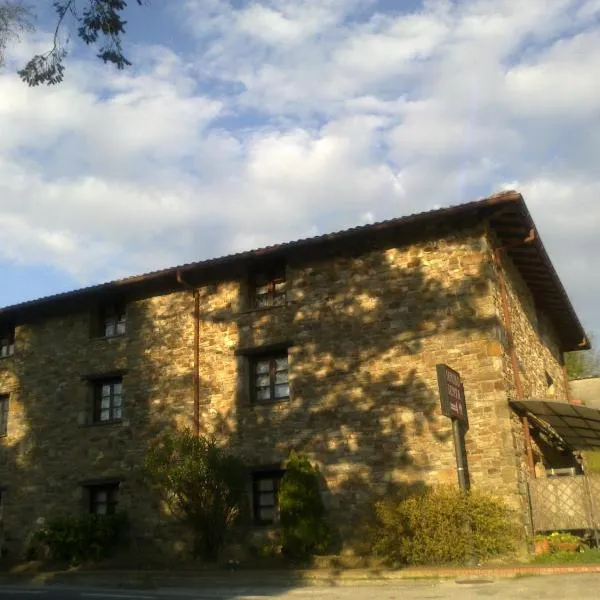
(556, 587)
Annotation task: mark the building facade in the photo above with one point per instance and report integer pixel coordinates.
(326, 346)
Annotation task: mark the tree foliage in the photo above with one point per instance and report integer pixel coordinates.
(99, 22)
(583, 364)
(15, 19)
(304, 529)
(202, 485)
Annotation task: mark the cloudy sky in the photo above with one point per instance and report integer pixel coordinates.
(248, 123)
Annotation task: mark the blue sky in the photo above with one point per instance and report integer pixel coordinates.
(247, 123)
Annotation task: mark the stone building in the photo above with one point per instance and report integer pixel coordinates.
(326, 345)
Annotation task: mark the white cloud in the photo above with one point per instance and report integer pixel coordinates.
(292, 118)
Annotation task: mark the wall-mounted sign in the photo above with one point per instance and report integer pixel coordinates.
(452, 394)
(452, 399)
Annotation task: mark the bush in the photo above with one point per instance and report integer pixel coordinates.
(443, 526)
(304, 530)
(202, 485)
(77, 539)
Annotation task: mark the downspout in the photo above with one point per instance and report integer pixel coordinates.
(196, 377)
(510, 340)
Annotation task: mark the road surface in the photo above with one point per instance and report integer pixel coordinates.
(555, 587)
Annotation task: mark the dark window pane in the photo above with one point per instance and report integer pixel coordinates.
(270, 379)
(103, 499)
(262, 301)
(263, 394)
(266, 485)
(265, 496)
(262, 366)
(267, 499)
(114, 321)
(269, 289)
(108, 398)
(282, 391)
(281, 377)
(7, 342)
(262, 290)
(4, 414)
(266, 515)
(263, 380)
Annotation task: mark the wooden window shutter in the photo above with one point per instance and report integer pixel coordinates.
(96, 325)
(243, 381)
(245, 300)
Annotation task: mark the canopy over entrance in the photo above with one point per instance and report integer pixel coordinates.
(578, 426)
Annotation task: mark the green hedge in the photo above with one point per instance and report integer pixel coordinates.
(80, 538)
(442, 526)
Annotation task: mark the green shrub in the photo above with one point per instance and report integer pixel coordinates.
(80, 538)
(443, 526)
(201, 483)
(592, 461)
(304, 530)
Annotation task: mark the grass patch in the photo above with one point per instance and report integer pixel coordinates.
(587, 557)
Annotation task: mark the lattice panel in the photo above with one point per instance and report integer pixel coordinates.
(594, 493)
(560, 503)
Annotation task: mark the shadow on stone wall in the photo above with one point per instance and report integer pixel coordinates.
(367, 335)
(364, 395)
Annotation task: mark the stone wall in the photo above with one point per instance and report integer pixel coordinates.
(366, 329)
(367, 332)
(50, 449)
(536, 342)
(539, 359)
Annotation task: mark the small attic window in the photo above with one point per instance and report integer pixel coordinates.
(269, 288)
(7, 341)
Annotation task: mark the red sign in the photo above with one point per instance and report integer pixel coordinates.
(452, 394)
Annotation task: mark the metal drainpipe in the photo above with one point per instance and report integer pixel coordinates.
(196, 377)
(511, 347)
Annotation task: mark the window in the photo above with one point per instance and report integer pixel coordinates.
(269, 289)
(103, 498)
(7, 342)
(270, 378)
(108, 400)
(4, 414)
(113, 319)
(265, 496)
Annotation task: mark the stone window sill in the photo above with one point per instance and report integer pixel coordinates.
(269, 403)
(105, 338)
(274, 525)
(263, 309)
(104, 423)
(7, 356)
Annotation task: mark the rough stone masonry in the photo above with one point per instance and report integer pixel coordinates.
(364, 322)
